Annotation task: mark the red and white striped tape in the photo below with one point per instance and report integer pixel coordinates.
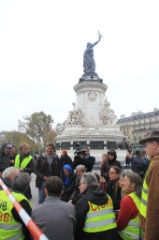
(33, 228)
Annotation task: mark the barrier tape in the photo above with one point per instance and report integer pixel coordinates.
(33, 228)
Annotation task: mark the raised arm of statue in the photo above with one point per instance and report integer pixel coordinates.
(99, 38)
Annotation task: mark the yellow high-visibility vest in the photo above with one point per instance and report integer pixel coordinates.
(144, 196)
(132, 230)
(24, 163)
(100, 217)
(9, 227)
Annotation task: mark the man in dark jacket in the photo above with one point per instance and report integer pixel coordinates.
(4, 157)
(138, 164)
(47, 165)
(85, 159)
(94, 212)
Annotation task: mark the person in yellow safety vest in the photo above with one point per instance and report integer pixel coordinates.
(94, 212)
(128, 222)
(24, 162)
(149, 208)
(11, 225)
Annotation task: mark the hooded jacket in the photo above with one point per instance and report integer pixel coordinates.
(4, 159)
(69, 183)
(98, 197)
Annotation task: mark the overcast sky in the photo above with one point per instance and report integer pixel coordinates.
(41, 54)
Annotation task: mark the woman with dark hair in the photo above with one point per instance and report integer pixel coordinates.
(113, 188)
(65, 159)
(128, 219)
(112, 158)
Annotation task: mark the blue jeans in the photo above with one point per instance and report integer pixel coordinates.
(42, 193)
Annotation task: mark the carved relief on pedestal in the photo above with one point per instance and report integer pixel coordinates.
(92, 95)
(60, 128)
(107, 114)
(76, 116)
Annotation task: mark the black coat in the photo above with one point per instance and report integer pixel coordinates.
(68, 190)
(88, 162)
(114, 163)
(4, 161)
(114, 193)
(65, 159)
(42, 168)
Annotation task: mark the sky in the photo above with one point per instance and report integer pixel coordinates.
(41, 55)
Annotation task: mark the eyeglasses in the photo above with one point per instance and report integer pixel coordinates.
(112, 172)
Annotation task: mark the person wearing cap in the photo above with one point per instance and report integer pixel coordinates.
(69, 181)
(149, 207)
(5, 157)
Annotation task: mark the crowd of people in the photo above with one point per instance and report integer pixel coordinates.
(76, 203)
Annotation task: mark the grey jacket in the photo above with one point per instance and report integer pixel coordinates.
(55, 218)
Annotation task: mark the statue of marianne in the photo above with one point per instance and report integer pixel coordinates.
(88, 57)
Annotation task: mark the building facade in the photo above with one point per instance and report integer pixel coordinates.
(138, 125)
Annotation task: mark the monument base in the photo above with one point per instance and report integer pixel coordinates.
(99, 139)
(91, 122)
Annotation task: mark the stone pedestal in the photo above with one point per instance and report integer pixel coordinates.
(90, 99)
(91, 122)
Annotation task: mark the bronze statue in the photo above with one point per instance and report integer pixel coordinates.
(88, 57)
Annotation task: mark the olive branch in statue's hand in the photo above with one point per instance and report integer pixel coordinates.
(99, 35)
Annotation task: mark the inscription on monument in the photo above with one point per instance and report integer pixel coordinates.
(65, 145)
(97, 145)
(111, 145)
